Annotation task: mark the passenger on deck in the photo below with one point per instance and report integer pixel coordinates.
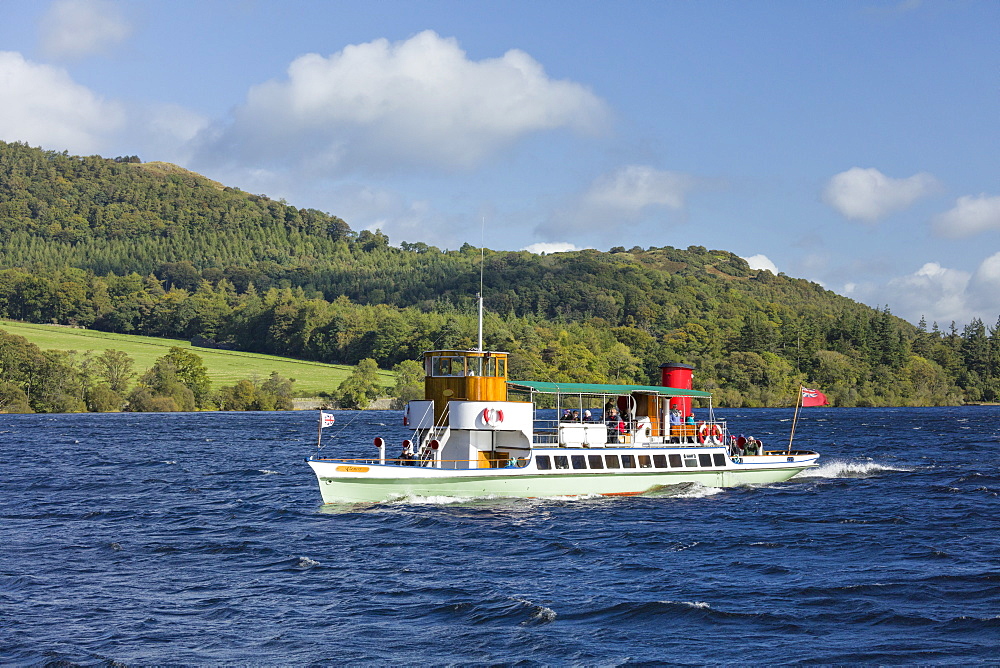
(587, 417)
(566, 416)
(675, 423)
(575, 417)
(406, 456)
(615, 425)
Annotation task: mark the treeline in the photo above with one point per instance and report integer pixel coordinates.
(149, 248)
(54, 381)
(859, 357)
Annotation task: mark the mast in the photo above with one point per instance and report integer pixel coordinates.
(479, 295)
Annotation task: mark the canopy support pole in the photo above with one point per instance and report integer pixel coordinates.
(798, 404)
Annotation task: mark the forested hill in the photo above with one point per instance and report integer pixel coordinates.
(151, 248)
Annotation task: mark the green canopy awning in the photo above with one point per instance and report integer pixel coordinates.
(596, 388)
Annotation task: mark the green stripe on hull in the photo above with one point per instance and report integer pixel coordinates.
(350, 488)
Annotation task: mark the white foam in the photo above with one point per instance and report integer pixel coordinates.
(306, 562)
(433, 500)
(698, 491)
(842, 469)
(269, 472)
(701, 605)
(541, 613)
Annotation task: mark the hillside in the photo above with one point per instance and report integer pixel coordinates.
(151, 249)
(225, 367)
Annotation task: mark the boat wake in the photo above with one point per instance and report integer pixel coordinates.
(844, 469)
(686, 490)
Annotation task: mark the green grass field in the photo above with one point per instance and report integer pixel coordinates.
(225, 367)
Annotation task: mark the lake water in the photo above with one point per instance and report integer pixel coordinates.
(200, 539)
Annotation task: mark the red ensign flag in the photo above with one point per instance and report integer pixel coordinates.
(813, 398)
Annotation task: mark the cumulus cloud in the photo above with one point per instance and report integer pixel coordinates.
(938, 293)
(552, 247)
(42, 105)
(627, 195)
(381, 106)
(869, 195)
(761, 262)
(970, 215)
(78, 28)
(933, 291)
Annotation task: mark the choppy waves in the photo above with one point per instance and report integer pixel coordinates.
(200, 539)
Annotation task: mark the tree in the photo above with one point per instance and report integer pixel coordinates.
(160, 389)
(409, 383)
(115, 367)
(13, 399)
(191, 371)
(361, 387)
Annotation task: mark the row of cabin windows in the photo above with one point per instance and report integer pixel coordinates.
(691, 460)
(459, 366)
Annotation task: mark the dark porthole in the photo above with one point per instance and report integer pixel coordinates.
(705, 458)
(660, 461)
(611, 461)
(579, 462)
(542, 462)
(561, 461)
(628, 462)
(720, 459)
(595, 461)
(675, 461)
(644, 462)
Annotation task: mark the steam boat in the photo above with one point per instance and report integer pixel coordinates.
(478, 434)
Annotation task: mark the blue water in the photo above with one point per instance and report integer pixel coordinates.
(200, 539)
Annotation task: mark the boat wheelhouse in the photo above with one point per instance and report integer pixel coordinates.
(478, 434)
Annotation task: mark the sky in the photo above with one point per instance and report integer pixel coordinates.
(855, 144)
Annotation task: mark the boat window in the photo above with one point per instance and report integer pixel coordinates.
(542, 462)
(595, 461)
(502, 368)
(644, 462)
(628, 462)
(562, 461)
(474, 366)
(675, 461)
(579, 462)
(490, 366)
(448, 366)
(660, 461)
(705, 458)
(612, 461)
(720, 459)
(691, 461)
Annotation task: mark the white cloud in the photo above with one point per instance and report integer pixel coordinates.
(165, 131)
(42, 105)
(553, 247)
(869, 195)
(614, 200)
(381, 106)
(938, 293)
(970, 215)
(984, 289)
(761, 262)
(79, 28)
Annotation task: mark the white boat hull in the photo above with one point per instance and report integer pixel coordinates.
(352, 481)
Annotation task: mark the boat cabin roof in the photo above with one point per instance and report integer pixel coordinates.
(596, 388)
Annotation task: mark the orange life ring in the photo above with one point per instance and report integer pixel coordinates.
(715, 434)
(702, 432)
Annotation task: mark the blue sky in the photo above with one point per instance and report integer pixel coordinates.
(856, 144)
